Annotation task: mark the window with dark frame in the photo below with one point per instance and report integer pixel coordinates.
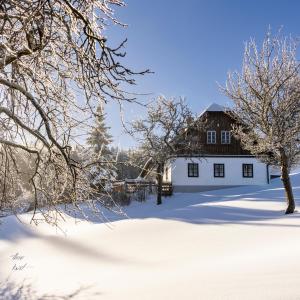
(248, 170)
(211, 137)
(219, 170)
(193, 170)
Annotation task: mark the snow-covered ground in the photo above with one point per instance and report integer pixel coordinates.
(225, 244)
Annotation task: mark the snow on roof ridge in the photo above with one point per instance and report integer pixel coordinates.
(215, 107)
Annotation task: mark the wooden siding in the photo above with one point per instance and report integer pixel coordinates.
(219, 121)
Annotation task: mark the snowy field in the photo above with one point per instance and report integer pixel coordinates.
(225, 244)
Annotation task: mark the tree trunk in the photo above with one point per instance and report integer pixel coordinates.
(159, 183)
(287, 184)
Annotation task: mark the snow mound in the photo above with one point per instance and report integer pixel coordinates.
(224, 244)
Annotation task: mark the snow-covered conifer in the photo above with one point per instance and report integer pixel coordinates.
(99, 139)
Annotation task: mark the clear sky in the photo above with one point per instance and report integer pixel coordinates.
(191, 45)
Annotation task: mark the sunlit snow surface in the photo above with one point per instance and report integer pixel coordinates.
(225, 244)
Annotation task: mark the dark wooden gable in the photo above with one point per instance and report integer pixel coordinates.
(219, 121)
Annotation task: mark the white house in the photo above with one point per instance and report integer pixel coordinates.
(222, 162)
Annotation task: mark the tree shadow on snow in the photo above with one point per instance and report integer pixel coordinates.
(211, 207)
(13, 291)
(11, 229)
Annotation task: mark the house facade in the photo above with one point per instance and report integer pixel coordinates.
(221, 162)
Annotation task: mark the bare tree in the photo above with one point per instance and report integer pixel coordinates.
(266, 96)
(127, 163)
(163, 134)
(56, 67)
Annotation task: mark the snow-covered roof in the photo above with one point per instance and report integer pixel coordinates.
(213, 107)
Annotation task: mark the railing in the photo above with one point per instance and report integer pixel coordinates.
(167, 189)
(132, 187)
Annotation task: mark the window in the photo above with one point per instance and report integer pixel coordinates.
(225, 137)
(211, 137)
(219, 170)
(193, 170)
(248, 170)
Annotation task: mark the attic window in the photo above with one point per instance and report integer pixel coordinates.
(225, 137)
(211, 137)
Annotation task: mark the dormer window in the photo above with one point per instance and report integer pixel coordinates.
(225, 137)
(211, 137)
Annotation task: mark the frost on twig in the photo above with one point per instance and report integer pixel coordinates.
(56, 68)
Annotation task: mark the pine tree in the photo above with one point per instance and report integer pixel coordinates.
(99, 138)
(103, 173)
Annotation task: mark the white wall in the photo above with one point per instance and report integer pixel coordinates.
(275, 170)
(167, 177)
(233, 171)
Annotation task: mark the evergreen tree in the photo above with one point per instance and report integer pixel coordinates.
(103, 173)
(99, 138)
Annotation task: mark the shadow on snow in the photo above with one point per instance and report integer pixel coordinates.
(212, 208)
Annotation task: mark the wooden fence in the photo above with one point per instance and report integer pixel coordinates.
(133, 187)
(151, 187)
(167, 189)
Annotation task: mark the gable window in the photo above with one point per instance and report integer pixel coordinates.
(219, 170)
(211, 137)
(193, 170)
(248, 170)
(225, 137)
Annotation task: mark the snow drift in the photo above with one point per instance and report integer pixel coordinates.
(225, 244)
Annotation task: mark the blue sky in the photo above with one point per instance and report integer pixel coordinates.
(190, 45)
